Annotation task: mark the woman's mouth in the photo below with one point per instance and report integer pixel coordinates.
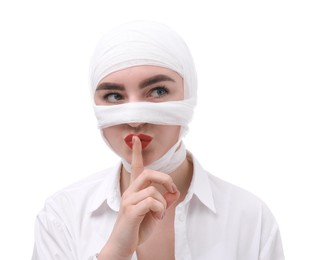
(145, 140)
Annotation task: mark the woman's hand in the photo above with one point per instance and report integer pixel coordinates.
(142, 205)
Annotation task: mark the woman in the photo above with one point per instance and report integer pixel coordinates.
(158, 203)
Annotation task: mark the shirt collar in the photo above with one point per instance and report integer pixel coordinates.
(201, 185)
(107, 190)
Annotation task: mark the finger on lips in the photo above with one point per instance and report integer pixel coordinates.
(146, 178)
(148, 197)
(137, 158)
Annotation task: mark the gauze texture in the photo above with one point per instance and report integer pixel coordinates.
(146, 43)
(143, 43)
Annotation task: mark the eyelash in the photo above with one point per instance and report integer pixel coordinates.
(149, 94)
(163, 88)
(106, 96)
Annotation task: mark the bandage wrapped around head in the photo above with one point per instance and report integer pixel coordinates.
(146, 43)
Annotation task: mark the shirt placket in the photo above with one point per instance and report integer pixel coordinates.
(182, 248)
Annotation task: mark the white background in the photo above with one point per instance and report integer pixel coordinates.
(253, 124)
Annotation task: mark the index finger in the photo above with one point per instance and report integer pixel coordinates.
(137, 165)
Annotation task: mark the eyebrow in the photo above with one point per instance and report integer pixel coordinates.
(110, 86)
(155, 79)
(144, 83)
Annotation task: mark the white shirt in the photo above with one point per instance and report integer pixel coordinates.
(216, 221)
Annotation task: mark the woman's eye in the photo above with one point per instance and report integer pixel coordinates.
(113, 97)
(159, 92)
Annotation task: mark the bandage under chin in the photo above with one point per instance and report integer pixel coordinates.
(162, 113)
(170, 161)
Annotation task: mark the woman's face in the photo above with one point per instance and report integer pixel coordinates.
(137, 84)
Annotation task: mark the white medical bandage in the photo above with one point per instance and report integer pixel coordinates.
(143, 43)
(161, 113)
(146, 43)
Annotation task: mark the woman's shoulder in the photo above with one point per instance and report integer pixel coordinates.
(227, 190)
(246, 215)
(224, 193)
(239, 202)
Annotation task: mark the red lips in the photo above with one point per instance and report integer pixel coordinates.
(145, 140)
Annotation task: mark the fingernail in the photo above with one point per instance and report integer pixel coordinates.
(133, 139)
(174, 188)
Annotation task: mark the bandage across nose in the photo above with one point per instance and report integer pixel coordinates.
(161, 113)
